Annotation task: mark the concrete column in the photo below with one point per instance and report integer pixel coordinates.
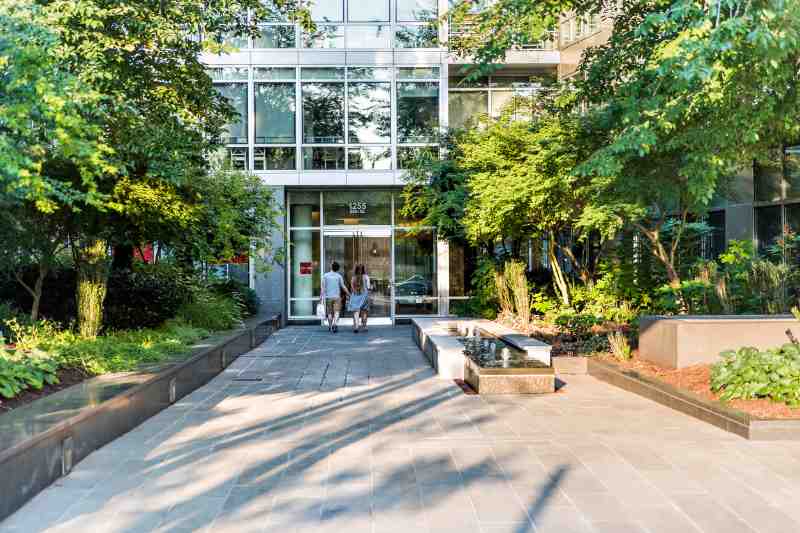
(271, 286)
(443, 275)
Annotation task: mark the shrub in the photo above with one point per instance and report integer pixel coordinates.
(22, 372)
(619, 345)
(595, 344)
(144, 297)
(748, 373)
(484, 302)
(211, 311)
(578, 324)
(240, 292)
(117, 351)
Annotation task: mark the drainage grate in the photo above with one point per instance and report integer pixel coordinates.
(248, 379)
(172, 390)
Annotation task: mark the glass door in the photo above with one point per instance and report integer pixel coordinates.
(371, 248)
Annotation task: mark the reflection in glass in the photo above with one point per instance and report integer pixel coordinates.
(369, 36)
(325, 36)
(304, 209)
(304, 263)
(369, 158)
(351, 208)
(327, 10)
(275, 113)
(274, 158)
(415, 273)
(416, 37)
(369, 112)
(228, 73)
(792, 172)
(323, 113)
(414, 10)
(369, 73)
(374, 252)
(417, 112)
(368, 10)
(792, 213)
(407, 156)
(322, 73)
(237, 157)
(768, 178)
(465, 107)
(275, 37)
(769, 227)
(418, 73)
(323, 158)
(236, 94)
(463, 262)
(274, 73)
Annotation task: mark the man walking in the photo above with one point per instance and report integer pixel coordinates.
(331, 289)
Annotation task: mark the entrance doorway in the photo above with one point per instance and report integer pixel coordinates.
(373, 249)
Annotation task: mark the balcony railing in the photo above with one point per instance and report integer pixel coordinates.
(466, 29)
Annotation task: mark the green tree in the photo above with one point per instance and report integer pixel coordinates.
(523, 184)
(689, 93)
(155, 108)
(46, 114)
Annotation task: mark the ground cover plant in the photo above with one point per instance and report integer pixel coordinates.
(40, 352)
(749, 373)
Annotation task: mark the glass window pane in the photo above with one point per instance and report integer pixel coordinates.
(237, 157)
(768, 179)
(322, 73)
(324, 37)
(323, 113)
(792, 225)
(236, 94)
(416, 37)
(415, 273)
(792, 172)
(369, 158)
(327, 10)
(274, 73)
(368, 10)
(369, 36)
(228, 73)
(369, 113)
(459, 82)
(274, 158)
(352, 208)
(412, 10)
(715, 241)
(323, 158)
(769, 227)
(275, 113)
(284, 36)
(275, 37)
(408, 155)
(305, 267)
(418, 73)
(417, 112)
(467, 106)
(304, 209)
(369, 73)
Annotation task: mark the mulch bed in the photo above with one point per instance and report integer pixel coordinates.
(697, 379)
(67, 377)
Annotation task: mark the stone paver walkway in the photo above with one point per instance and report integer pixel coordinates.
(354, 434)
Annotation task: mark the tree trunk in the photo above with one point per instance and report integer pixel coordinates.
(123, 257)
(668, 260)
(36, 290)
(562, 287)
(91, 262)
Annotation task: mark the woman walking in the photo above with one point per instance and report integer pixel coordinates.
(359, 297)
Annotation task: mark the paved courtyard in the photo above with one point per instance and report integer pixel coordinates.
(352, 433)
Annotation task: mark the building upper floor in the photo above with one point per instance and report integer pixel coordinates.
(372, 31)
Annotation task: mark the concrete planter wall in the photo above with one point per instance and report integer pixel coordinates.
(681, 341)
(43, 440)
